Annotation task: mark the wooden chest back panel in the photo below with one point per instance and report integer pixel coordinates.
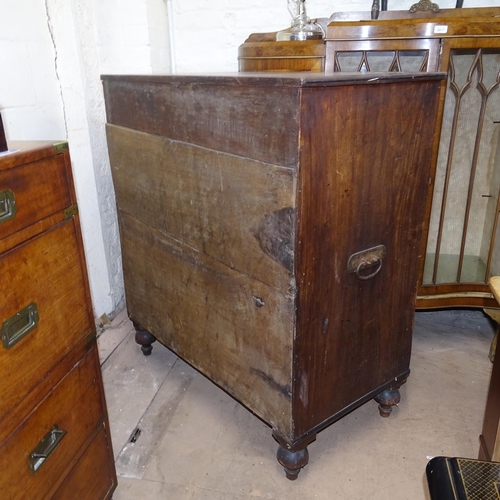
(243, 120)
(236, 210)
(42, 271)
(234, 329)
(365, 163)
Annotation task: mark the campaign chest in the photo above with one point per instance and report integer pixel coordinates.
(271, 232)
(54, 432)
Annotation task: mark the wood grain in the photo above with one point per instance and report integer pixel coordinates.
(357, 192)
(75, 415)
(41, 189)
(205, 267)
(270, 55)
(96, 464)
(51, 376)
(225, 206)
(42, 271)
(243, 120)
(234, 329)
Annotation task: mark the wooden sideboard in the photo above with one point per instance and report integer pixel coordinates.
(461, 247)
(54, 432)
(271, 239)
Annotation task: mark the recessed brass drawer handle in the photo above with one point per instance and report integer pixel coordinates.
(8, 207)
(45, 448)
(365, 259)
(19, 325)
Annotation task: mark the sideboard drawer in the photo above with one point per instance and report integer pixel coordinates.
(58, 429)
(32, 192)
(43, 311)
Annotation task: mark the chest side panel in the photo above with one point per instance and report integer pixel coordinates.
(365, 163)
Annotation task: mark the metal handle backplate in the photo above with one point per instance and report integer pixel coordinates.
(45, 448)
(8, 207)
(19, 325)
(367, 258)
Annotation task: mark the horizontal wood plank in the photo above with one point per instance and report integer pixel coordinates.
(235, 330)
(238, 211)
(241, 121)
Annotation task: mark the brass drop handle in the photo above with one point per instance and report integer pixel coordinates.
(365, 259)
(19, 325)
(8, 207)
(45, 448)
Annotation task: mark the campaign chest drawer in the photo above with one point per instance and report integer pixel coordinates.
(33, 191)
(54, 431)
(47, 442)
(95, 463)
(43, 310)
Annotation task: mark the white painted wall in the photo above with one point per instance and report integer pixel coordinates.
(52, 53)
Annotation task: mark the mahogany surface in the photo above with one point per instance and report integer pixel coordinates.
(241, 200)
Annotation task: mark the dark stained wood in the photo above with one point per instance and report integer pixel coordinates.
(257, 116)
(292, 461)
(145, 339)
(395, 31)
(356, 192)
(247, 279)
(193, 109)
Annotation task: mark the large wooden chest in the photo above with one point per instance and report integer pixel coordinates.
(54, 432)
(271, 232)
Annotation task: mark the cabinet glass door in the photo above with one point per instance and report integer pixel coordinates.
(463, 245)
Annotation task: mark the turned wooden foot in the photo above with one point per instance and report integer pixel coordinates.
(386, 400)
(144, 339)
(292, 461)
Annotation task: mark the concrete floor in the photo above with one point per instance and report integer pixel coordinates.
(195, 442)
